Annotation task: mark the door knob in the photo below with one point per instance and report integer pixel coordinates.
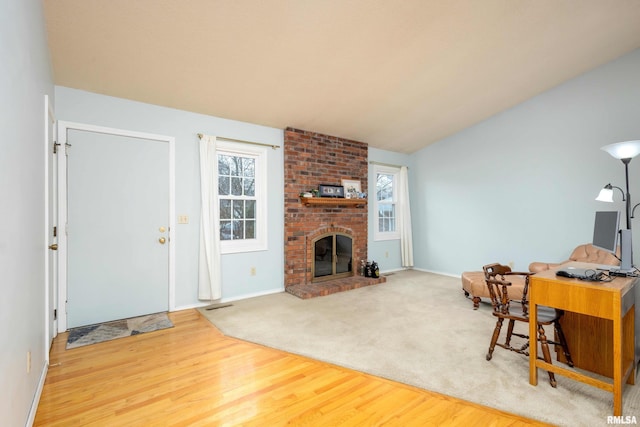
(162, 240)
(53, 247)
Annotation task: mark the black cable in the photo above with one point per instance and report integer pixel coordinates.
(596, 276)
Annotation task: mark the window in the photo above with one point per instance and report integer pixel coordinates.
(241, 183)
(386, 203)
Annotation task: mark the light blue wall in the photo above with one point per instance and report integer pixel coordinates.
(80, 106)
(25, 77)
(520, 186)
(385, 252)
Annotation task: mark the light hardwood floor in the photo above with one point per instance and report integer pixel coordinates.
(194, 375)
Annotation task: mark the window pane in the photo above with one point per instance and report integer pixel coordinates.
(249, 167)
(225, 230)
(384, 187)
(234, 165)
(250, 209)
(223, 165)
(238, 230)
(223, 185)
(238, 209)
(250, 229)
(236, 186)
(225, 209)
(386, 218)
(386, 211)
(249, 187)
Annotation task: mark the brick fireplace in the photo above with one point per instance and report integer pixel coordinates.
(311, 159)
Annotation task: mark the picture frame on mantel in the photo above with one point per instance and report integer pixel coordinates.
(327, 190)
(351, 188)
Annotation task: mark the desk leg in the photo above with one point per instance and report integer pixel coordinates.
(617, 361)
(533, 343)
(629, 343)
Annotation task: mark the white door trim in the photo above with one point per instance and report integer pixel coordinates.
(63, 128)
(49, 119)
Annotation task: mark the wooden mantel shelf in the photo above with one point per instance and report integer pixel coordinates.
(330, 201)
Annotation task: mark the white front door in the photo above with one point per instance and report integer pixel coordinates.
(118, 226)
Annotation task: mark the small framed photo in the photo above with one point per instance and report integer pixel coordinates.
(327, 190)
(351, 188)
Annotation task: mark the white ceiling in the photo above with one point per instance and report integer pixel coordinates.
(397, 75)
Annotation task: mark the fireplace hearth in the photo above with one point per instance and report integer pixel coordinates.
(312, 290)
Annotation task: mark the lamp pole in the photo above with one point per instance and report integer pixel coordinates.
(626, 177)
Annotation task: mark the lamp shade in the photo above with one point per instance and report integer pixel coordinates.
(623, 150)
(606, 194)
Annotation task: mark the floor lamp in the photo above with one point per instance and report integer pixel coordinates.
(624, 151)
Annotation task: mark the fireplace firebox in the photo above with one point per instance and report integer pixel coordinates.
(332, 257)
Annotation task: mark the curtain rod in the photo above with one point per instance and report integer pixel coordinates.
(200, 135)
(371, 162)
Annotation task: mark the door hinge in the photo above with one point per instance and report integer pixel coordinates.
(55, 314)
(55, 231)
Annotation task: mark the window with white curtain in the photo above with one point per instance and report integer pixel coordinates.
(241, 195)
(386, 203)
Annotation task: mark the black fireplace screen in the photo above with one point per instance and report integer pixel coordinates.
(333, 256)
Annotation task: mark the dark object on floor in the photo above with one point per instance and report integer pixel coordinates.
(217, 306)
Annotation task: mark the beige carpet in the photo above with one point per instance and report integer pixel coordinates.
(418, 329)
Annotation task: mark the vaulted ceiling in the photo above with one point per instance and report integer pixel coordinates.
(398, 75)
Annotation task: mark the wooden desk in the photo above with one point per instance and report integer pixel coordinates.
(614, 302)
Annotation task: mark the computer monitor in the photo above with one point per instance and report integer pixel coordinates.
(607, 236)
(606, 230)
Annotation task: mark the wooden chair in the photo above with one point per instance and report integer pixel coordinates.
(496, 277)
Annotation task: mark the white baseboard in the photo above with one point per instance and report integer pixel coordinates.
(438, 272)
(253, 295)
(393, 270)
(36, 397)
(223, 300)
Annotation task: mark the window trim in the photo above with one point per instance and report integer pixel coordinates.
(385, 235)
(259, 153)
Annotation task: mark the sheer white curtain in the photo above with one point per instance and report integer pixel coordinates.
(209, 277)
(404, 221)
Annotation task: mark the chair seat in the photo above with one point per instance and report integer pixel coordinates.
(546, 315)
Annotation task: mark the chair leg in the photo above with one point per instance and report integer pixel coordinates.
(494, 338)
(546, 353)
(563, 343)
(509, 332)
